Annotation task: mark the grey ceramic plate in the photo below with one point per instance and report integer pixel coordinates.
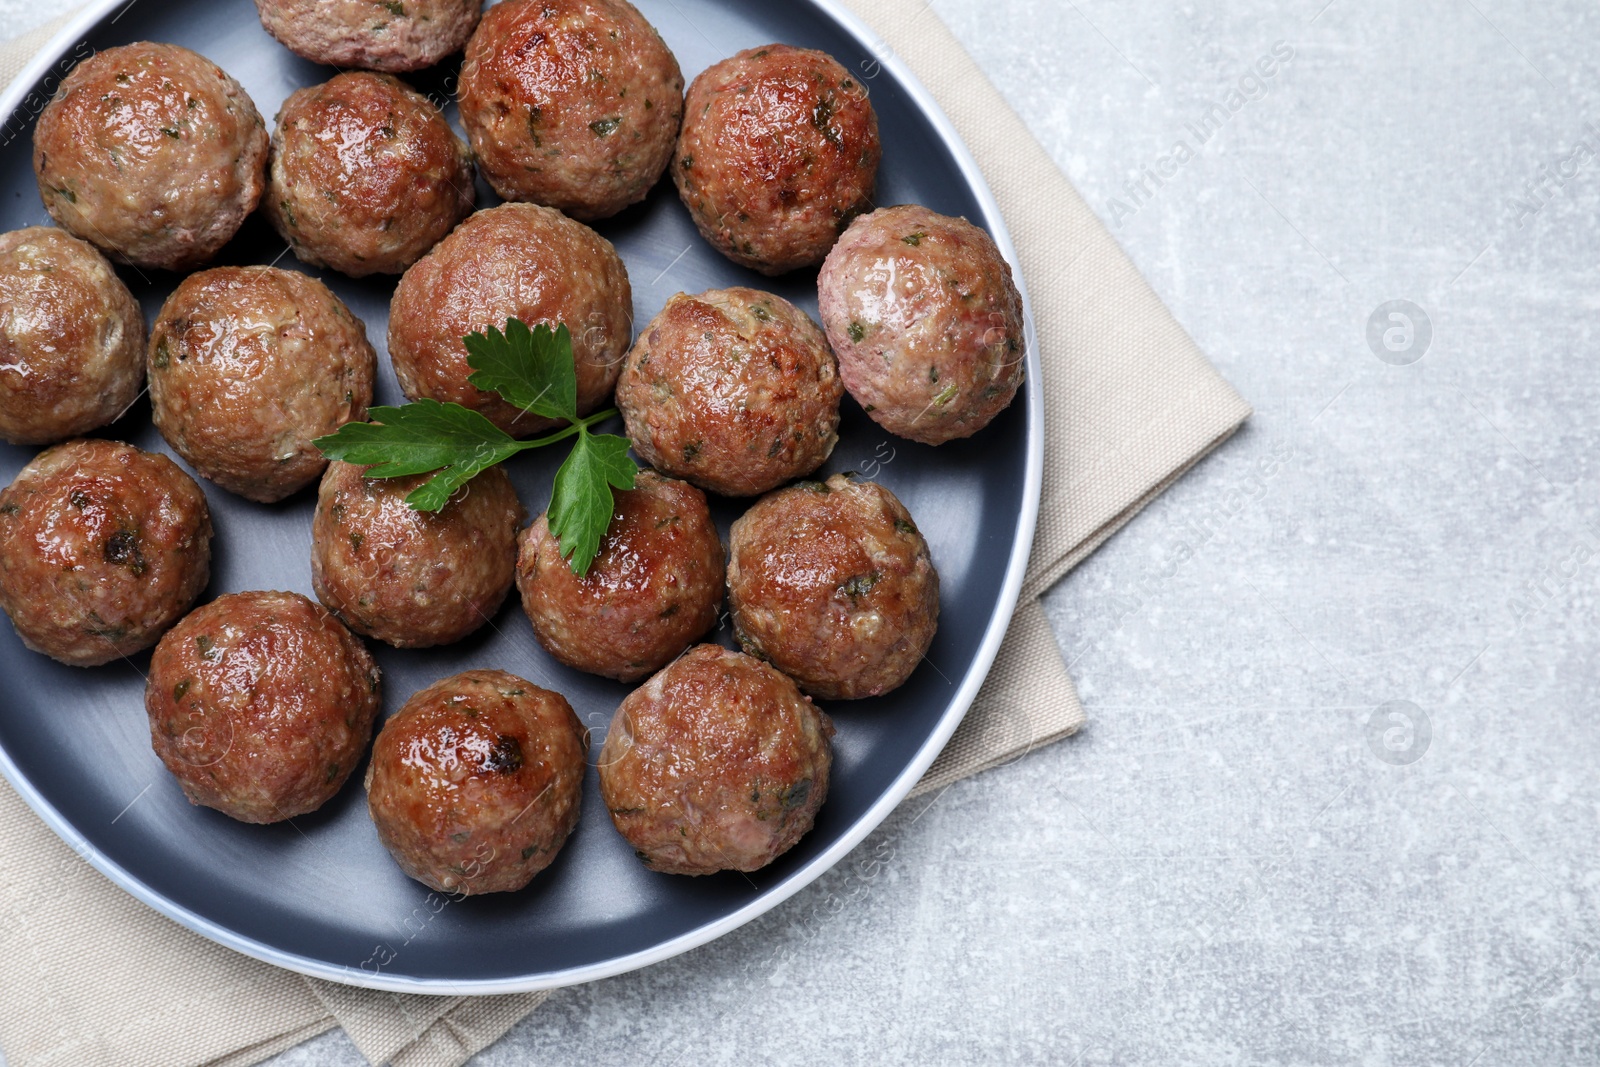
(320, 895)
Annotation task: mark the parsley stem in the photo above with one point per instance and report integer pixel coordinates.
(566, 431)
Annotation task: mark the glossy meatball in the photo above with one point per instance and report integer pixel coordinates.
(151, 152)
(475, 784)
(717, 763)
(413, 578)
(571, 103)
(366, 175)
(102, 547)
(71, 338)
(371, 34)
(926, 320)
(653, 588)
(779, 152)
(248, 366)
(832, 584)
(517, 261)
(261, 704)
(735, 390)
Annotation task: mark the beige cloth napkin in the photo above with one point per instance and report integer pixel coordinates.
(89, 976)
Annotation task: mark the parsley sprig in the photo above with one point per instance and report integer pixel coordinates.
(533, 370)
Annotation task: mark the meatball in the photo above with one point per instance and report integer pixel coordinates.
(71, 338)
(261, 705)
(371, 34)
(832, 584)
(102, 547)
(413, 578)
(248, 366)
(517, 261)
(366, 175)
(717, 763)
(735, 390)
(654, 587)
(571, 103)
(151, 152)
(926, 320)
(779, 152)
(475, 784)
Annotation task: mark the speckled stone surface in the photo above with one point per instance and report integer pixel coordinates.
(1338, 801)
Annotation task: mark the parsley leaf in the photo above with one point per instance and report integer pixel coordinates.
(531, 369)
(577, 518)
(534, 370)
(419, 437)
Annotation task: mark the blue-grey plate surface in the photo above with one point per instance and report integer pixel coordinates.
(320, 895)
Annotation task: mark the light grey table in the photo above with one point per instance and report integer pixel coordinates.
(1338, 797)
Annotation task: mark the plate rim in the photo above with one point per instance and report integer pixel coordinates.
(875, 46)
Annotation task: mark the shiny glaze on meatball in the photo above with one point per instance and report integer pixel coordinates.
(927, 323)
(653, 588)
(102, 548)
(779, 151)
(832, 584)
(366, 175)
(717, 763)
(393, 35)
(518, 261)
(248, 366)
(735, 390)
(571, 103)
(261, 704)
(71, 338)
(413, 578)
(151, 152)
(475, 783)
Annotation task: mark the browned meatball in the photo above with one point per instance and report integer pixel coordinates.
(926, 320)
(653, 588)
(366, 175)
(102, 547)
(517, 261)
(261, 705)
(71, 338)
(717, 763)
(371, 34)
(735, 390)
(475, 784)
(571, 103)
(779, 152)
(248, 366)
(832, 584)
(151, 152)
(413, 578)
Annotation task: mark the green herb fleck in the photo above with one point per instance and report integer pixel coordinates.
(605, 127)
(162, 356)
(904, 526)
(395, 8)
(857, 331)
(181, 690)
(822, 119)
(860, 585)
(947, 395)
(796, 794)
(914, 239)
(204, 645)
(122, 550)
(505, 757)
